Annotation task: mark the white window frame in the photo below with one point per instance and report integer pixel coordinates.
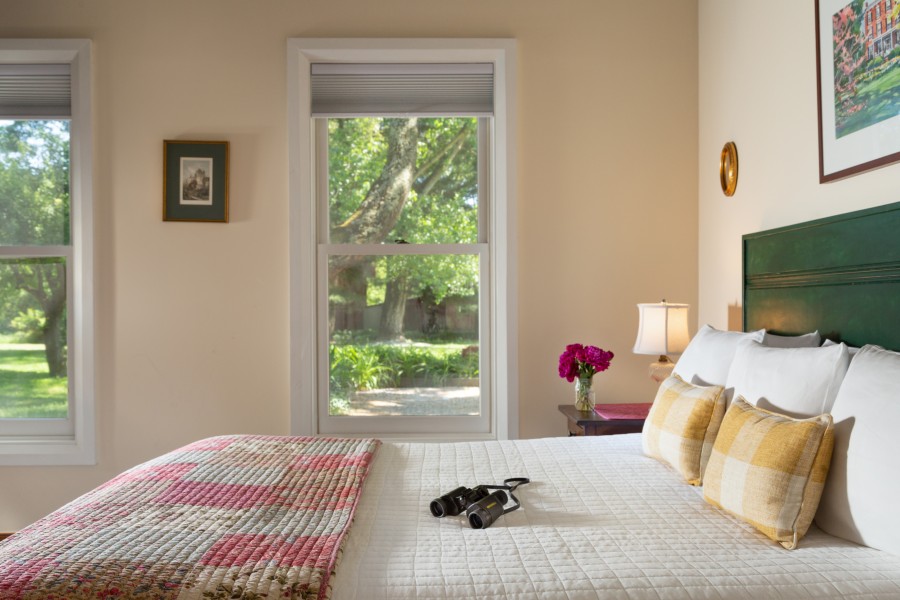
(500, 299)
(68, 441)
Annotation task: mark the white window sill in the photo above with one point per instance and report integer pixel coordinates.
(45, 451)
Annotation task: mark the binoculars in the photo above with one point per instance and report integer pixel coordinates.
(482, 504)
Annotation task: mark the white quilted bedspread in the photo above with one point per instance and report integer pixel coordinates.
(599, 520)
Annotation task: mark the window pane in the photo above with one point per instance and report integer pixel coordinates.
(403, 180)
(33, 372)
(34, 183)
(403, 335)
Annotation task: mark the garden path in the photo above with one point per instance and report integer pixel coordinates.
(416, 401)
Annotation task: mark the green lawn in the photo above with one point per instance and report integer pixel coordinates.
(26, 388)
(880, 98)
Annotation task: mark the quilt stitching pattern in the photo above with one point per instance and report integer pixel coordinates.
(228, 517)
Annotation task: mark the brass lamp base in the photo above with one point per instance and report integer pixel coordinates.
(661, 370)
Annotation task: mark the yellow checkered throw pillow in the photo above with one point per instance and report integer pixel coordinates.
(682, 425)
(769, 470)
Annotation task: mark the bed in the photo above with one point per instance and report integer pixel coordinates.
(600, 521)
(269, 517)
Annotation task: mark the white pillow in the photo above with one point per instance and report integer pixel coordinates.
(798, 382)
(807, 340)
(708, 357)
(860, 498)
(851, 349)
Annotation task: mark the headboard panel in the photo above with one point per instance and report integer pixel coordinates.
(840, 275)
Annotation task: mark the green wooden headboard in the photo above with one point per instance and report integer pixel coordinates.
(840, 275)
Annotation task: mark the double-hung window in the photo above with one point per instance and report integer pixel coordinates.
(46, 315)
(400, 268)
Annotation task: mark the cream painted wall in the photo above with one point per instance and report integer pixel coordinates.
(758, 88)
(192, 335)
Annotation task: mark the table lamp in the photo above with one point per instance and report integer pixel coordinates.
(663, 330)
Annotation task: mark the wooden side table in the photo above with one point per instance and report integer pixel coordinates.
(583, 423)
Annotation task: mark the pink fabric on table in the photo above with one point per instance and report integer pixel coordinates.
(623, 411)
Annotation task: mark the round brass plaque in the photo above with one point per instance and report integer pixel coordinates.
(728, 168)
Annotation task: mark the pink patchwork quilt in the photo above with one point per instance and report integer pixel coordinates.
(226, 517)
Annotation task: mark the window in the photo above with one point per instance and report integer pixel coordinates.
(46, 341)
(402, 319)
(401, 273)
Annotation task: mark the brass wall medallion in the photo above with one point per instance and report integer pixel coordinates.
(728, 168)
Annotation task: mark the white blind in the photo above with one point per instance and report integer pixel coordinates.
(35, 91)
(376, 89)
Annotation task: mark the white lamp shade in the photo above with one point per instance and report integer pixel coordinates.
(663, 329)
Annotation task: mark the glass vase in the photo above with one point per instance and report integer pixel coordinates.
(584, 394)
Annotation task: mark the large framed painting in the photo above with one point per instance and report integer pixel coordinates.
(858, 53)
(195, 181)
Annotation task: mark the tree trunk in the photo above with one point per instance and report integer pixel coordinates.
(393, 310)
(46, 283)
(383, 204)
(54, 306)
(430, 310)
(54, 347)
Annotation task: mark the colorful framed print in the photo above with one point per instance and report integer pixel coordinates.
(195, 181)
(858, 54)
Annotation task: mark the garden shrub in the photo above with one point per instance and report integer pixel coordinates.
(357, 367)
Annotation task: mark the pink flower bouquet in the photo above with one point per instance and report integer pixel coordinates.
(579, 362)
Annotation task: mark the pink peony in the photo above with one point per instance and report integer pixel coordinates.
(583, 361)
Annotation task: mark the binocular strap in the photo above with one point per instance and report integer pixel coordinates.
(510, 484)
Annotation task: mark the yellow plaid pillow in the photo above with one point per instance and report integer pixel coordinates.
(682, 426)
(769, 470)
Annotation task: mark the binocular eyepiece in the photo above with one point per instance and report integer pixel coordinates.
(482, 504)
(487, 510)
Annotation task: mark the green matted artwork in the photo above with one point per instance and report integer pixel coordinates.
(195, 181)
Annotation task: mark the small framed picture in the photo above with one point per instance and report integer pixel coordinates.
(195, 181)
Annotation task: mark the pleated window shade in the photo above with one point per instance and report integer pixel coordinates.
(395, 89)
(35, 91)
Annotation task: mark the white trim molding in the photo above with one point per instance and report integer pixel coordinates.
(301, 53)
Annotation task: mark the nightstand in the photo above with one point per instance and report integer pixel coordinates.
(583, 423)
